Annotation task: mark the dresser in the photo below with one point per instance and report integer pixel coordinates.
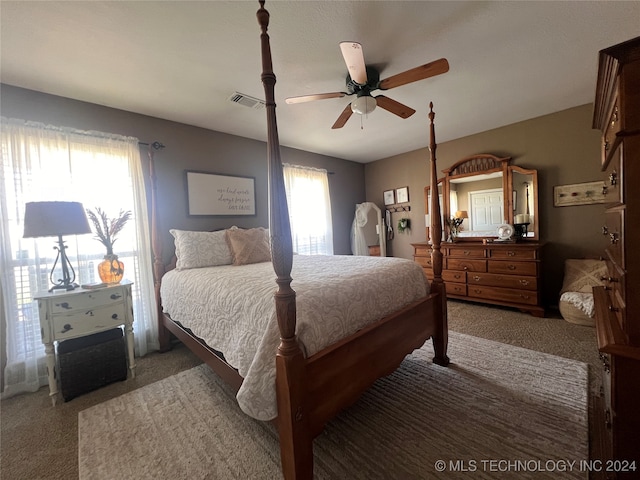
(617, 116)
(80, 312)
(497, 273)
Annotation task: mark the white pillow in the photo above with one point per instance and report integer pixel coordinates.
(201, 249)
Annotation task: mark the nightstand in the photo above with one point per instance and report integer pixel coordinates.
(81, 312)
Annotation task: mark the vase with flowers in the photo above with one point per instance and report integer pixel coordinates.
(110, 270)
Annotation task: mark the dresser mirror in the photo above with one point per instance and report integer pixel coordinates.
(482, 192)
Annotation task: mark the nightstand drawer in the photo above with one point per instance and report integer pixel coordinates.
(86, 300)
(89, 321)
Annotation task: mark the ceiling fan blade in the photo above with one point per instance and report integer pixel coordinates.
(317, 96)
(354, 58)
(344, 116)
(432, 69)
(394, 107)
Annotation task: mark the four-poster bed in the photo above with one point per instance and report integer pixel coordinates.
(312, 385)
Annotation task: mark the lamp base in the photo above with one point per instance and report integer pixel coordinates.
(68, 287)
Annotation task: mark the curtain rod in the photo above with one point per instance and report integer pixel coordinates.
(157, 145)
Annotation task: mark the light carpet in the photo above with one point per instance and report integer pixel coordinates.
(494, 404)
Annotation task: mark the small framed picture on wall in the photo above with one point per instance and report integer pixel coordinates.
(402, 195)
(389, 198)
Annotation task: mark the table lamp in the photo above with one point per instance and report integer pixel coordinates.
(51, 219)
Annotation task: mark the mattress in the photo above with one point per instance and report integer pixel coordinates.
(232, 309)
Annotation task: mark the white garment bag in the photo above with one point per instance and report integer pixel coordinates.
(367, 229)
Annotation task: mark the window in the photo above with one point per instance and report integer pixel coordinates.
(309, 210)
(44, 163)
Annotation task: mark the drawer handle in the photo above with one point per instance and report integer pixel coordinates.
(613, 178)
(526, 297)
(614, 117)
(604, 190)
(476, 278)
(614, 237)
(467, 253)
(511, 267)
(524, 282)
(114, 316)
(607, 419)
(457, 276)
(64, 305)
(613, 309)
(89, 312)
(66, 327)
(464, 267)
(604, 278)
(477, 290)
(115, 296)
(606, 145)
(511, 253)
(605, 230)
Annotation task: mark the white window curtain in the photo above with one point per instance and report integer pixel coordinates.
(45, 163)
(309, 209)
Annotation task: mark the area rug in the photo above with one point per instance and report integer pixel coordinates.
(497, 411)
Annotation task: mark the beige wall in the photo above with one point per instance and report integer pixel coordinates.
(562, 147)
(193, 148)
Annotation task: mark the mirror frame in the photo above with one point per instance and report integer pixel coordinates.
(482, 164)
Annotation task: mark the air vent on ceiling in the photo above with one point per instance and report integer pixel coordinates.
(247, 101)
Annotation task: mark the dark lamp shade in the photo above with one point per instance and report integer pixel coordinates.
(50, 219)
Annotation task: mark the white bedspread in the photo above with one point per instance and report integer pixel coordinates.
(232, 308)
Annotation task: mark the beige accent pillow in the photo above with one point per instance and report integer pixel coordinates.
(249, 246)
(201, 249)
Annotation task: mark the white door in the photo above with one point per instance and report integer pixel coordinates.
(487, 209)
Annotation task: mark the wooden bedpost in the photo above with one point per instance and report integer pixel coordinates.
(296, 451)
(156, 248)
(440, 339)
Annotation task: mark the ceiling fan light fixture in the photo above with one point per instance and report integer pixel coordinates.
(364, 105)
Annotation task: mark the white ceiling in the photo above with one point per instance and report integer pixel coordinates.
(182, 60)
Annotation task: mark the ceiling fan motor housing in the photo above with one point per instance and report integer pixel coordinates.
(373, 80)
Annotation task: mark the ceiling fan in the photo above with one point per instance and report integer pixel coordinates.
(362, 80)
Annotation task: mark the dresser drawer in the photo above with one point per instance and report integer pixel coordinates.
(422, 251)
(513, 253)
(507, 281)
(456, 276)
(466, 265)
(513, 268)
(613, 186)
(86, 300)
(81, 323)
(466, 252)
(503, 294)
(614, 230)
(615, 281)
(424, 261)
(456, 288)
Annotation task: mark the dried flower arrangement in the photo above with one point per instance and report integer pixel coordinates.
(105, 228)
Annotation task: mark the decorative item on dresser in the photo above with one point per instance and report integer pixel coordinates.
(482, 260)
(617, 115)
